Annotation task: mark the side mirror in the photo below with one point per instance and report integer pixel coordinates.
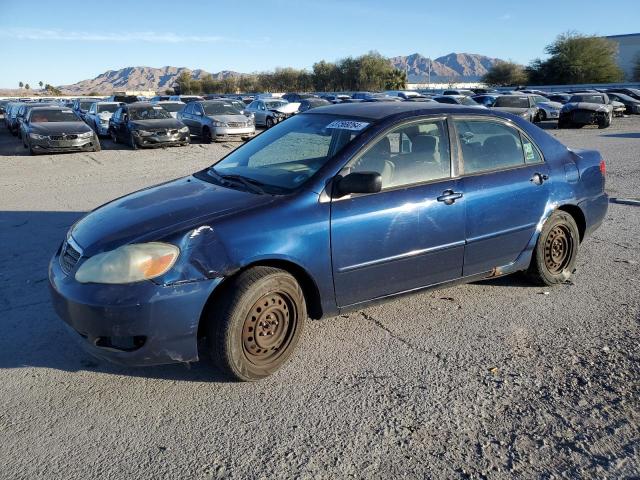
(358, 182)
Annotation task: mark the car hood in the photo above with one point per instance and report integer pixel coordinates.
(159, 211)
(57, 128)
(514, 110)
(595, 107)
(287, 108)
(228, 118)
(105, 115)
(160, 123)
(556, 105)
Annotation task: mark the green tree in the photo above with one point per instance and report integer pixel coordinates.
(576, 58)
(40, 83)
(20, 84)
(396, 80)
(52, 90)
(27, 86)
(183, 83)
(93, 93)
(503, 74)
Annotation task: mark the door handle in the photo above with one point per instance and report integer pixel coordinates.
(449, 197)
(539, 178)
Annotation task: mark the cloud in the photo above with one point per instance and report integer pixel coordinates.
(149, 37)
(506, 16)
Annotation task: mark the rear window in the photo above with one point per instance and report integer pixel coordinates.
(587, 99)
(512, 101)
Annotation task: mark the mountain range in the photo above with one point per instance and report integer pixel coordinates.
(451, 67)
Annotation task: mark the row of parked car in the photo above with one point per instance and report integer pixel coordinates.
(51, 125)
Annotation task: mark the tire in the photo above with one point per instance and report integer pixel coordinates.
(262, 300)
(132, 142)
(31, 150)
(556, 251)
(606, 122)
(96, 144)
(114, 137)
(542, 115)
(206, 135)
(269, 122)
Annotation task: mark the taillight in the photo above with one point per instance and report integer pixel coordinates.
(603, 168)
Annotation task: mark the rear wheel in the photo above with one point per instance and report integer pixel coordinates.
(269, 122)
(255, 325)
(556, 251)
(542, 115)
(605, 122)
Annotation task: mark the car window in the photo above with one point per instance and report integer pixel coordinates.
(488, 145)
(531, 153)
(414, 153)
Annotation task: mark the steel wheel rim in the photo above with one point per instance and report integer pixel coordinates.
(558, 249)
(268, 328)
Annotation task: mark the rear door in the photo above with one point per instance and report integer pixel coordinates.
(409, 235)
(506, 187)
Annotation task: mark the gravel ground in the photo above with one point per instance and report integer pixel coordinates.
(490, 380)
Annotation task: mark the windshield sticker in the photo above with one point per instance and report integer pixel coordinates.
(528, 152)
(67, 111)
(348, 125)
(157, 108)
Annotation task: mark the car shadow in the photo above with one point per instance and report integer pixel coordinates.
(32, 334)
(622, 135)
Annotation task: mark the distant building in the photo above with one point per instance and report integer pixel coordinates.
(628, 51)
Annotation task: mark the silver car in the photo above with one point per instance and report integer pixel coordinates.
(98, 115)
(216, 120)
(269, 111)
(171, 106)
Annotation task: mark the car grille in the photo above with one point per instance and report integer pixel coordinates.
(69, 256)
(163, 132)
(63, 137)
(237, 124)
(582, 116)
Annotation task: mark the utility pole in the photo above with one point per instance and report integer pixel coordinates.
(429, 77)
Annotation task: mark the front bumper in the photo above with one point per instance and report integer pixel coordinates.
(48, 145)
(135, 324)
(162, 140)
(234, 132)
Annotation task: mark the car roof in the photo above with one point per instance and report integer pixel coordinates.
(380, 110)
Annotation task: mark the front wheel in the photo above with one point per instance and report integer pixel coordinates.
(606, 121)
(555, 254)
(132, 142)
(114, 137)
(96, 144)
(269, 122)
(255, 325)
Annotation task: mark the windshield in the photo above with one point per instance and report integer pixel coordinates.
(468, 101)
(587, 99)
(274, 103)
(172, 107)
(512, 101)
(148, 113)
(86, 104)
(285, 156)
(238, 104)
(42, 116)
(220, 108)
(107, 108)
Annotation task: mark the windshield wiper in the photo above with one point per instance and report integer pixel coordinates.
(254, 185)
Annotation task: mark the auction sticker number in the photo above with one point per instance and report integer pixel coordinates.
(348, 125)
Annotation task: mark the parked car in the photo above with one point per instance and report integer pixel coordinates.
(3, 106)
(11, 117)
(403, 94)
(160, 98)
(297, 97)
(57, 129)
(323, 214)
(632, 92)
(270, 111)
(81, 106)
(466, 93)
(631, 104)
(143, 124)
(309, 103)
(486, 99)
(619, 108)
(521, 105)
(547, 108)
(561, 98)
(98, 116)
(171, 106)
(214, 120)
(23, 113)
(123, 98)
(186, 98)
(457, 100)
(586, 109)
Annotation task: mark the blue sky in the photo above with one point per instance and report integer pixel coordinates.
(66, 41)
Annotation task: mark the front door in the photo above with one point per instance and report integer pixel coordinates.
(505, 183)
(409, 235)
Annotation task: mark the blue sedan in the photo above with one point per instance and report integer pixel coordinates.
(327, 212)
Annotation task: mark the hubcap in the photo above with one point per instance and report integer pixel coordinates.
(558, 249)
(268, 328)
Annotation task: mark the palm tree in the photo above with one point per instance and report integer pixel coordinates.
(20, 84)
(41, 84)
(27, 87)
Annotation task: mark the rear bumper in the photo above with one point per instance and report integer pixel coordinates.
(233, 133)
(595, 211)
(133, 325)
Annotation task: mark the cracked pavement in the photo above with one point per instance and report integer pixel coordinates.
(496, 379)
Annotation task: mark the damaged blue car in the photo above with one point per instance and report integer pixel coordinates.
(327, 212)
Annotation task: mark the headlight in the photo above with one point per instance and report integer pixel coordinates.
(37, 136)
(143, 133)
(184, 130)
(129, 263)
(219, 124)
(85, 135)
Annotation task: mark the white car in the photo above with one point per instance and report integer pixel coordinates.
(98, 115)
(547, 109)
(171, 106)
(269, 111)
